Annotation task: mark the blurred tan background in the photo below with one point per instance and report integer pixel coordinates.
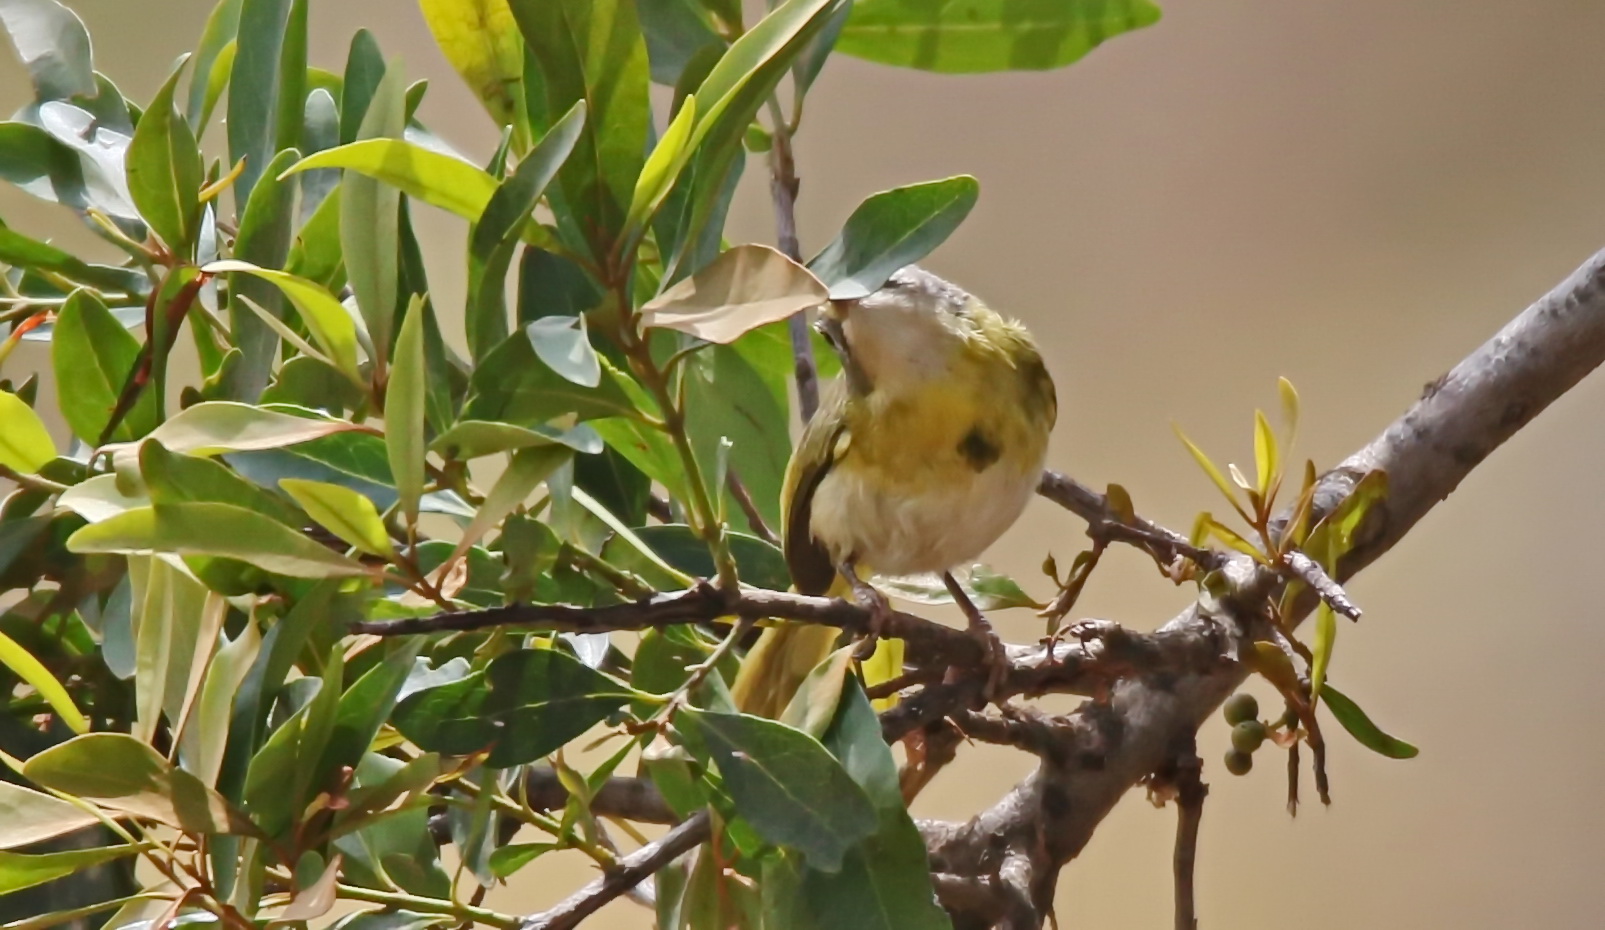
(1352, 195)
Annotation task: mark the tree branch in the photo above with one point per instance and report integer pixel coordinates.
(632, 870)
(1047, 819)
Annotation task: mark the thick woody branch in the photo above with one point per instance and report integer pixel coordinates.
(631, 871)
(1460, 418)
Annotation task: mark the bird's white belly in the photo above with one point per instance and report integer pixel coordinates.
(935, 530)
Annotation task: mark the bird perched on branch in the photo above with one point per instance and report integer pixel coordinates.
(922, 453)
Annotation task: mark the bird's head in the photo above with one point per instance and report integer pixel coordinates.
(905, 333)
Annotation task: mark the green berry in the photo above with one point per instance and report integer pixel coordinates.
(1247, 736)
(1240, 707)
(1238, 763)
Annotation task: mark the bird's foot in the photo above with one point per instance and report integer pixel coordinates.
(880, 615)
(979, 627)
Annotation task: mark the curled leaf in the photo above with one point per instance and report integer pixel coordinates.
(741, 290)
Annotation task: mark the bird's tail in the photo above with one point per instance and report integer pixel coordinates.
(786, 652)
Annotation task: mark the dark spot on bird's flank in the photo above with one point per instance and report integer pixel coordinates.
(979, 450)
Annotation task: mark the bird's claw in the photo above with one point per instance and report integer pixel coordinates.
(994, 656)
(880, 616)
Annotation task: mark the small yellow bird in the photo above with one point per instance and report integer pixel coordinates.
(927, 448)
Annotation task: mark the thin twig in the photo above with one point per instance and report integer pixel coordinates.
(1311, 573)
(749, 508)
(632, 870)
(783, 187)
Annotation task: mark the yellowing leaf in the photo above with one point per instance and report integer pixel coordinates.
(481, 40)
(1230, 537)
(1210, 470)
(437, 179)
(1267, 462)
(1321, 653)
(741, 290)
(1289, 409)
(663, 166)
(327, 320)
(30, 670)
(346, 513)
(25, 445)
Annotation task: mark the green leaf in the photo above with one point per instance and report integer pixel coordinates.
(891, 229)
(677, 545)
(1361, 728)
(1267, 457)
(54, 46)
(330, 325)
(165, 170)
(786, 785)
(481, 41)
(218, 426)
(726, 398)
(369, 224)
(25, 444)
(1214, 473)
(528, 469)
(94, 353)
(284, 772)
(217, 41)
(675, 34)
(121, 773)
(513, 385)
(744, 288)
(365, 67)
(37, 163)
(34, 674)
(970, 36)
(20, 251)
(343, 512)
(255, 89)
(884, 882)
(32, 816)
(471, 439)
(662, 167)
(404, 412)
(437, 179)
(264, 241)
(988, 588)
(593, 50)
(1333, 537)
(206, 736)
(563, 343)
(19, 871)
(497, 229)
(525, 705)
(207, 528)
(1325, 636)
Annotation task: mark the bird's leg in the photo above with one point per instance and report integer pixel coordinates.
(880, 609)
(997, 659)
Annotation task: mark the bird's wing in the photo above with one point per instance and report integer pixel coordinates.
(812, 571)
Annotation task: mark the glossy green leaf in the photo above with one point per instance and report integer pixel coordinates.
(94, 353)
(365, 68)
(891, 229)
(726, 398)
(217, 41)
(332, 328)
(988, 589)
(38, 164)
(20, 251)
(206, 735)
(884, 882)
(165, 170)
(32, 816)
(25, 444)
(564, 344)
(1267, 456)
(207, 528)
(217, 79)
(343, 512)
(663, 166)
(744, 288)
(482, 43)
(121, 773)
(786, 785)
(1321, 652)
(437, 179)
(528, 468)
(972, 36)
(36, 676)
(405, 441)
(1289, 397)
(513, 385)
(256, 85)
(19, 870)
(369, 232)
(497, 229)
(761, 563)
(1361, 728)
(219, 426)
(675, 34)
(53, 45)
(593, 50)
(472, 439)
(1210, 469)
(1333, 537)
(264, 241)
(524, 706)
(283, 773)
